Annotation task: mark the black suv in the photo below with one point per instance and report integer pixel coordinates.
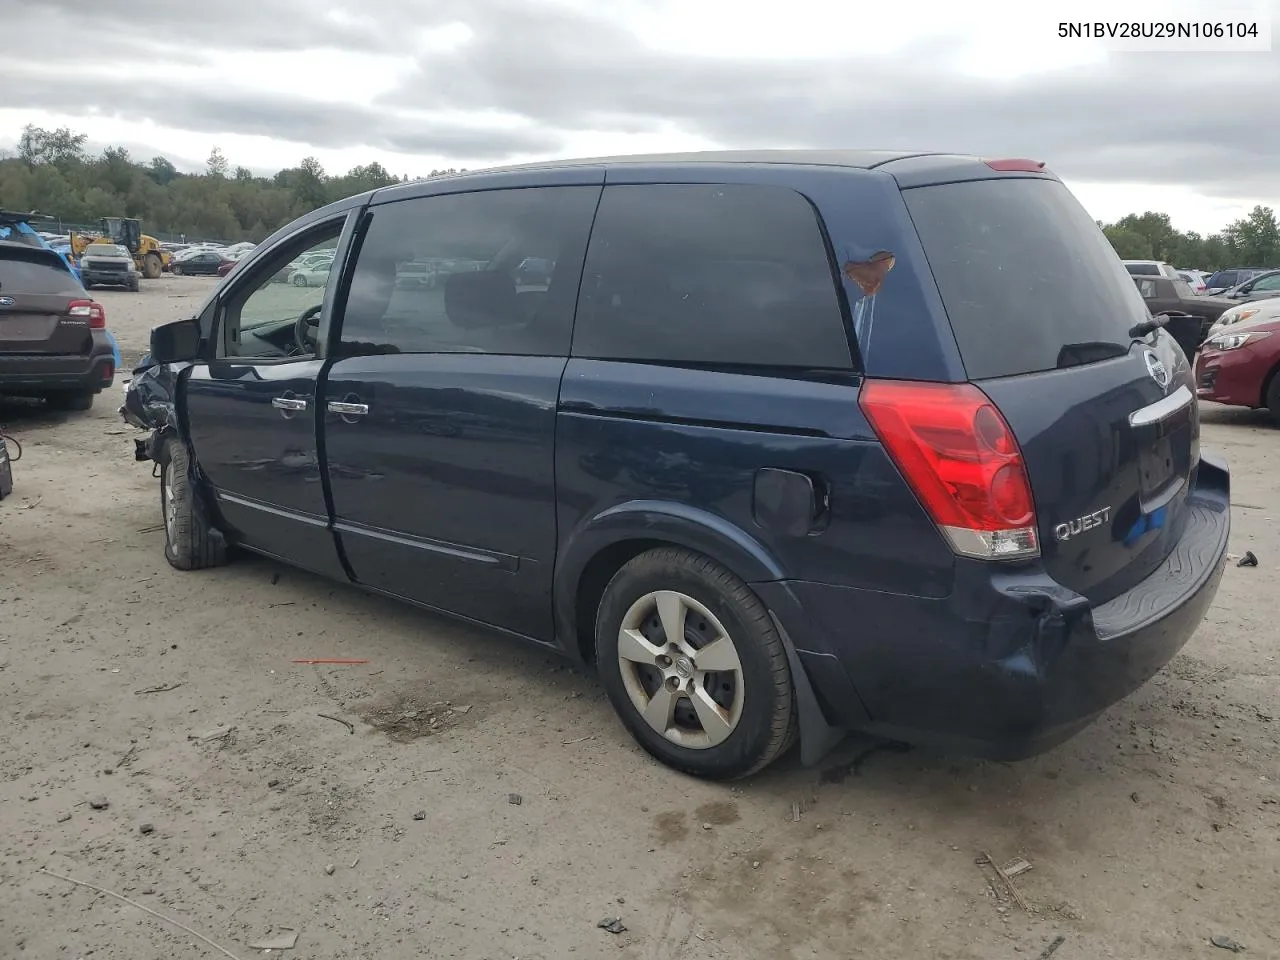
(787, 444)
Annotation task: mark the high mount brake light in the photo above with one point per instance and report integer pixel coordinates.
(1016, 165)
(959, 456)
(91, 309)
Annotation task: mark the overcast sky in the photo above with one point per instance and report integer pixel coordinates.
(417, 84)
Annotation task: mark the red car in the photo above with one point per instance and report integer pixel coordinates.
(227, 267)
(1242, 368)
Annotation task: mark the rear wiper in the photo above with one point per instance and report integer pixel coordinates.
(1144, 328)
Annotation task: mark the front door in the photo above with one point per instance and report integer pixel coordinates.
(440, 409)
(251, 410)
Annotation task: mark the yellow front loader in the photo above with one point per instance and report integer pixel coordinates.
(147, 254)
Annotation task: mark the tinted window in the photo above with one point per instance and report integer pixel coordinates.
(1223, 278)
(1143, 269)
(443, 274)
(1271, 282)
(728, 275)
(1027, 278)
(33, 270)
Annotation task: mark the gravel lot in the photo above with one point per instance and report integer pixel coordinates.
(236, 808)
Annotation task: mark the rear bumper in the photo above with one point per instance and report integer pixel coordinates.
(1012, 663)
(22, 374)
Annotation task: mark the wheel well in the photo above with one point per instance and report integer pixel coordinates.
(595, 577)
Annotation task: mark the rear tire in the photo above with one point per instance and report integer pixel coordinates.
(71, 400)
(189, 542)
(176, 270)
(717, 703)
(87, 285)
(152, 266)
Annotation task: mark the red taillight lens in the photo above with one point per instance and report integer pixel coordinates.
(91, 309)
(960, 458)
(1016, 165)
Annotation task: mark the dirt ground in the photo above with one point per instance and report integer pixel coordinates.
(469, 798)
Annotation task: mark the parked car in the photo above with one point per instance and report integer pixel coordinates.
(204, 262)
(313, 273)
(1150, 268)
(53, 336)
(108, 264)
(1257, 311)
(1262, 286)
(1241, 367)
(1191, 316)
(1224, 280)
(1194, 280)
(946, 488)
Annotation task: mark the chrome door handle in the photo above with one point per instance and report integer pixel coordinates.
(289, 403)
(347, 409)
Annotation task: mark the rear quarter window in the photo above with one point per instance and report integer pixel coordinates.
(1028, 280)
(31, 270)
(727, 275)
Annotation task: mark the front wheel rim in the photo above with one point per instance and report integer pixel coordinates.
(170, 502)
(681, 670)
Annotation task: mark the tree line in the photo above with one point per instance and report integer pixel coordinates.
(52, 173)
(1252, 241)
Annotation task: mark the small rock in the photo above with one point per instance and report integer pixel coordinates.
(108, 771)
(1226, 943)
(99, 803)
(755, 864)
(64, 818)
(515, 798)
(706, 826)
(329, 868)
(145, 828)
(420, 815)
(149, 891)
(1134, 796)
(612, 925)
(272, 783)
(463, 709)
(622, 900)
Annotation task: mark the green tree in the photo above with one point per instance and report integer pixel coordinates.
(217, 164)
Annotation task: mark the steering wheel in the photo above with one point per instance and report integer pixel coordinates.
(302, 327)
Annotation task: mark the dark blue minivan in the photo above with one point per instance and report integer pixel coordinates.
(786, 444)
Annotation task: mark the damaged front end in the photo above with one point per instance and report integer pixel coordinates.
(150, 399)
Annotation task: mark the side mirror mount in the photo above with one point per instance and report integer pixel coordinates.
(176, 342)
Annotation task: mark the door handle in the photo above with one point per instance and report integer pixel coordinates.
(347, 409)
(289, 403)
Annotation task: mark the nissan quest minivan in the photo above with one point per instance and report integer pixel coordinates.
(785, 444)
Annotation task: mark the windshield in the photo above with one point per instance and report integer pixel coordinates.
(1027, 278)
(104, 250)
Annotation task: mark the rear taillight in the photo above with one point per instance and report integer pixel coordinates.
(90, 309)
(960, 458)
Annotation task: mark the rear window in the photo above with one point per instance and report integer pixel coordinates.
(32, 270)
(1143, 269)
(1223, 278)
(1027, 278)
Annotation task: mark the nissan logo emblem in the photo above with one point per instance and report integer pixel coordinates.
(1159, 372)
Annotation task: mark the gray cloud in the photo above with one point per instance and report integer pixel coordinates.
(1206, 120)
